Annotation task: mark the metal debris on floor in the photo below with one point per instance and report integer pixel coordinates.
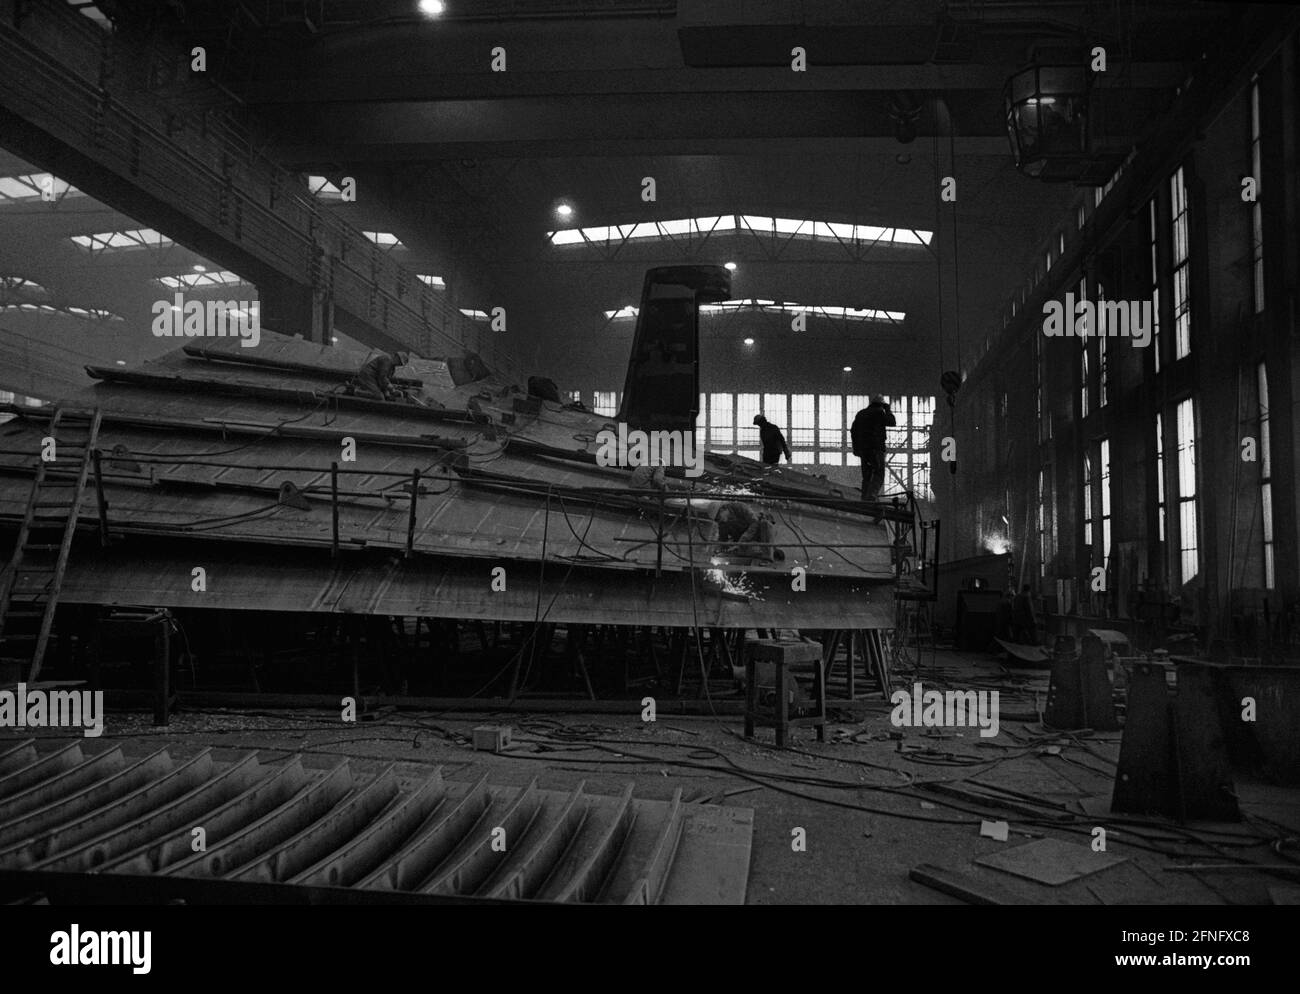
(241, 820)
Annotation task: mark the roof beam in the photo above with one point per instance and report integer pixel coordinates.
(314, 154)
(336, 85)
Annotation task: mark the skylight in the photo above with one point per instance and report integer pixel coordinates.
(219, 278)
(437, 281)
(91, 313)
(834, 231)
(31, 186)
(140, 238)
(645, 229)
(772, 307)
(91, 10)
(384, 239)
(831, 231)
(476, 315)
(321, 187)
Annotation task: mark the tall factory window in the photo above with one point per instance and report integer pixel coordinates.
(1266, 476)
(802, 434)
(816, 428)
(896, 441)
(1185, 427)
(1256, 212)
(722, 427)
(830, 430)
(1105, 502)
(776, 409)
(1087, 505)
(1154, 238)
(896, 437)
(1181, 274)
(747, 405)
(606, 403)
(922, 425)
(1160, 473)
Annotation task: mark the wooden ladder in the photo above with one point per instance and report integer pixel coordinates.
(30, 583)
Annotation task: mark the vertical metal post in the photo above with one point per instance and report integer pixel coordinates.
(334, 508)
(410, 521)
(100, 502)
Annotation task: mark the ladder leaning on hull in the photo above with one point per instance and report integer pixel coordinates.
(30, 583)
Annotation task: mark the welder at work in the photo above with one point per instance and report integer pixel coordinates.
(375, 377)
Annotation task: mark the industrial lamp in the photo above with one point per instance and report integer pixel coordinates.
(1047, 116)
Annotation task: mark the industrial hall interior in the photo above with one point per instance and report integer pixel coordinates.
(667, 452)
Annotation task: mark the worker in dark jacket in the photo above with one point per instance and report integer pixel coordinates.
(868, 434)
(772, 441)
(375, 379)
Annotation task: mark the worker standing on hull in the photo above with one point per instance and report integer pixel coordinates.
(868, 433)
(772, 441)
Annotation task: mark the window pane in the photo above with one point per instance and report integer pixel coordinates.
(1186, 431)
(747, 405)
(774, 409)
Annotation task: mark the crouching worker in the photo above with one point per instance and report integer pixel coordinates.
(744, 533)
(375, 378)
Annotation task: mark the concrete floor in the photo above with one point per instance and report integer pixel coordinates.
(853, 856)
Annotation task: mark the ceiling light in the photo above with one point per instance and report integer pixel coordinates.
(199, 268)
(432, 8)
(335, 339)
(564, 210)
(121, 362)
(848, 369)
(731, 266)
(749, 341)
